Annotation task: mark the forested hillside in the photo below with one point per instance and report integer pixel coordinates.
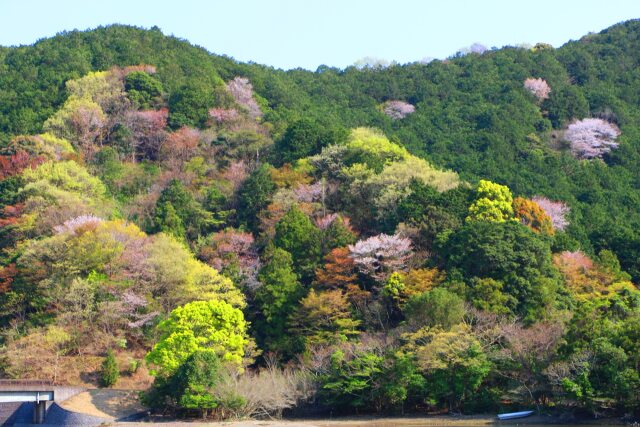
(459, 235)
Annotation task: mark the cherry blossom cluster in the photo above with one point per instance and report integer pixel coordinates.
(591, 138)
(557, 211)
(223, 115)
(242, 91)
(80, 222)
(398, 109)
(381, 255)
(538, 87)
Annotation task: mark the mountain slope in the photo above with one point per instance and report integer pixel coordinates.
(472, 116)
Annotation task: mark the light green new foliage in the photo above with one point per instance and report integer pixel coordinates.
(87, 116)
(56, 146)
(195, 326)
(394, 286)
(54, 187)
(100, 87)
(63, 176)
(370, 146)
(494, 203)
(52, 147)
(82, 117)
(401, 173)
(183, 279)
(393, 182)
(379, 167)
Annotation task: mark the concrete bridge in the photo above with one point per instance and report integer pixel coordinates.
(40, 393)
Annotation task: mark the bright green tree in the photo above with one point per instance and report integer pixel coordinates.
(494, 203)
(195, 326)
(109, 372)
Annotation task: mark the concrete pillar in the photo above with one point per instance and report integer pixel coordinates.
(39, 411)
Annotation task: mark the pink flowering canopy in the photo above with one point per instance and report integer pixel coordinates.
(557, 211)
(83, 221)
(381, 255)
(591, 138)
(222, 115)
(242, 91)
(538, 87)
(398, 109)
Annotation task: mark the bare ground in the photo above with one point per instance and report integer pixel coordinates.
(105, 403)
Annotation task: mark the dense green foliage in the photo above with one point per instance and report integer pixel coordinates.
(214, 325)
(143, 90)
(109, 372)
(191, 389)
(456, 254)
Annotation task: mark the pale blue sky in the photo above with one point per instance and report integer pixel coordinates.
(307, 33)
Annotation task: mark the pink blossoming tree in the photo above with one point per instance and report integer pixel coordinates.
(557, 211)
(242, 91)
(591, 138)
(538, 87)
(398, 109)
(381, 255)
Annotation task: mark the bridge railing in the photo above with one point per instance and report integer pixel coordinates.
(11, 383)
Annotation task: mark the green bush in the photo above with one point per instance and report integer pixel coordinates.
(109, 373)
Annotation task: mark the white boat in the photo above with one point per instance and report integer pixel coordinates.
(514, 415)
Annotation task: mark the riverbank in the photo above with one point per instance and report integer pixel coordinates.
(112, 405)
(429, 421)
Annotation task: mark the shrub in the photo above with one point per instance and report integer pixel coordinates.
(109, 373)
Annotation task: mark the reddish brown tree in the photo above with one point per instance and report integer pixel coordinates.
(532, 215)
(180, 146)
(229, 250)
(7, 276)
(338, 270)
(15, 163)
